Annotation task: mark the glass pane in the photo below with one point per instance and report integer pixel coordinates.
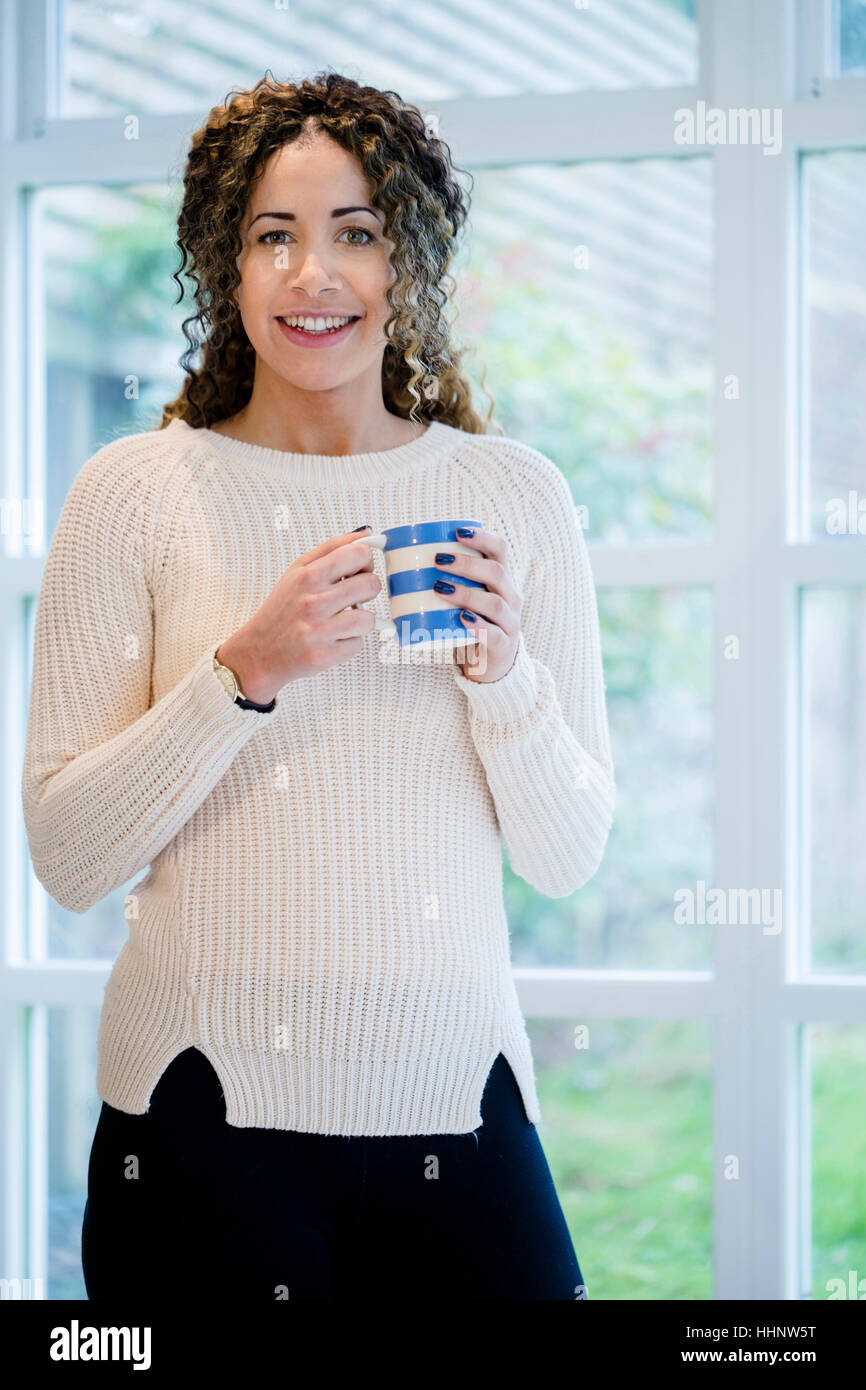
(834, 306)
(73, 1111)
(103, 297)
(588, 291)
(656, 646)
(834, 768)
(94, 935)
(852, 38)
(186, 57)
(627, 1130)
(838, 1065)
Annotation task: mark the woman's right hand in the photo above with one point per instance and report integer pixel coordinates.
(306, 623)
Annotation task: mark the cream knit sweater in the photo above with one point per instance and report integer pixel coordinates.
(322, 914)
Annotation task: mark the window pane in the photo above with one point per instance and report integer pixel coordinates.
(74, 1107)
(838, 1064)
(834, 304)
(588, 292)
(186, 57)
(834, 756)
(656, 646)
(94, 935)
(852, 38)
(103, 298)
(627, 1130)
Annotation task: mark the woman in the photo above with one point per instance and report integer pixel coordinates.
(316, 1078)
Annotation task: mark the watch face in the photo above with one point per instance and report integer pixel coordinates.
(227, 680)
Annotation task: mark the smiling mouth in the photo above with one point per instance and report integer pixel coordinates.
(318, 325)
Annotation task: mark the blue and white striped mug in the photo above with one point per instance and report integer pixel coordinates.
(418, 612)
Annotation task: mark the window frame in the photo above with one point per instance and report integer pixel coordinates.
(756, 1002)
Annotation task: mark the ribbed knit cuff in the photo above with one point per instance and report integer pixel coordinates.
(510, 698)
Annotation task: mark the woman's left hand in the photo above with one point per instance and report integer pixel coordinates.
(497, 612)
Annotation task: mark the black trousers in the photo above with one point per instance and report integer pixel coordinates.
(179, 1203)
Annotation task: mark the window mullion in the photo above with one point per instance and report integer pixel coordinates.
(748, 1052)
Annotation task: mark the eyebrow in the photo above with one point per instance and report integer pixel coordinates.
(338, 212)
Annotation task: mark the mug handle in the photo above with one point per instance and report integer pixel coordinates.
(378, 541)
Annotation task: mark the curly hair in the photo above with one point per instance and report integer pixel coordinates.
(424, 207)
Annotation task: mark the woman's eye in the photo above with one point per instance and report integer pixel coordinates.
(364, 232)
(264, 239)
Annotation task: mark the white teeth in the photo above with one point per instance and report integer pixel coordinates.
(315, 325)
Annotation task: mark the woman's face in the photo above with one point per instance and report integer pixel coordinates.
(313, 247)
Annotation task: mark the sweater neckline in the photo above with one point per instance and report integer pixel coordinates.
(318, 469)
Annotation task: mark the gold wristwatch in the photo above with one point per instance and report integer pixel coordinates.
(231, 685)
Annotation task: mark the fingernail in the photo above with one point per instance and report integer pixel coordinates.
(466, 531)
(442, 587)
(470, 617)
(444, 559)
(362, 528)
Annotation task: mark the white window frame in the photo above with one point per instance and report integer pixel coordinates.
(756, 999)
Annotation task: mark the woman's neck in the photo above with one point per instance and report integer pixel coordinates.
(305, 437)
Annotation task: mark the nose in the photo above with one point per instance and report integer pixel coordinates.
(311, 274)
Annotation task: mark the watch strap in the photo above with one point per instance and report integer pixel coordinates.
(250, 704)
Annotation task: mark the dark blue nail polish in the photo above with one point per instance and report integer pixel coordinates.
(365, 527)
(443, 559)
(466, 531)
(443, 587)
(470, 617)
